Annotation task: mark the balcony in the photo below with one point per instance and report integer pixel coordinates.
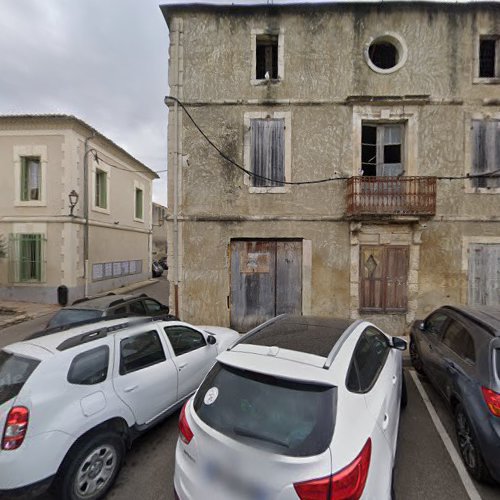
(391, 196)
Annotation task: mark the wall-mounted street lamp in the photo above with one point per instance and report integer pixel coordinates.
(73, 200)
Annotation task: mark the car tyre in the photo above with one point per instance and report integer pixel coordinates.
(91, 467)
(468, 446)
(416, 361)
(404, 392)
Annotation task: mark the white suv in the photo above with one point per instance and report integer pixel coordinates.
(300, 408)
(72, 402)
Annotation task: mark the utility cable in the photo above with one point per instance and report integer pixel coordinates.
(494, 173)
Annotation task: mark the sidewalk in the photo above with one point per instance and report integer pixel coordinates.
(12, 313)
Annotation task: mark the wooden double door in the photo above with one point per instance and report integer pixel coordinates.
(266, 280)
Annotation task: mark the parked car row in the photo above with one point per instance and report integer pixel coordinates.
(458, 349)
(299, 408)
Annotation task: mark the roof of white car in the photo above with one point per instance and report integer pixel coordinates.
(59, 341)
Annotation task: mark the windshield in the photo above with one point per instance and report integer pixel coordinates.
(14, 371)
(67, 316)
(285, 417)
(497, 361)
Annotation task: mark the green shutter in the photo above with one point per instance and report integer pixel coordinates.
(139, 204)
(24, 179)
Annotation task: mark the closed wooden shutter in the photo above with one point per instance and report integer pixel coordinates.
(485, 151)
(484, 275)
(384, 278)
(268, 152)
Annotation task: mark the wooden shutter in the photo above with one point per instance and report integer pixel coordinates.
(268, 151)
(371, 274)
(383, 278)
(396, 276)
(484, 275)
(485, 151)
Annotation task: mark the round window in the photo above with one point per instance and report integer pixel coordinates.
(386, 53)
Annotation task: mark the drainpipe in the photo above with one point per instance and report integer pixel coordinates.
(176, 166)
(86, 213)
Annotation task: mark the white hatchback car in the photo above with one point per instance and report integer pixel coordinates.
(300, 408)
(72, 402)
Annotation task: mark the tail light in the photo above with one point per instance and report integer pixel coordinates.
(492, 400)
(347, 484)
(185, 432)
(15, 428)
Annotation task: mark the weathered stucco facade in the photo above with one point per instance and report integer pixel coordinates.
(104, 244)
(328, 94)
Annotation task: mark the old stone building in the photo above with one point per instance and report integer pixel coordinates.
(354, 162)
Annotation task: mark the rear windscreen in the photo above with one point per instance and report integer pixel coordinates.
(285, 417)
(14, 371)
(68, 316)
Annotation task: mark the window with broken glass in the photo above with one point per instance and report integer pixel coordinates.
(268, 152)
(486, 153)
(382, 149)
(383, 278)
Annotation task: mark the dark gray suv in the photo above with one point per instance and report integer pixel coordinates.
(110, 306)
(458, 348)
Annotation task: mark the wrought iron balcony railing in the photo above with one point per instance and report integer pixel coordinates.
(372, 196)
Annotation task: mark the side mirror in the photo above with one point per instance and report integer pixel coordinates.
(399, 343)
(165, 308)
(211, 340)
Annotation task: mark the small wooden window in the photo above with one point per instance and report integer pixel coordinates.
(486, 153)
(139, 203)
(101, 189)
(384, 277)
(268, 152)
(489, 57)
(266, 57)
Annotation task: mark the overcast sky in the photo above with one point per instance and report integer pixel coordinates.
(104, 61)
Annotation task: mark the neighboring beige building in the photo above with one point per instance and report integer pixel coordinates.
(392, 106)
(159, 231)
(105, 244)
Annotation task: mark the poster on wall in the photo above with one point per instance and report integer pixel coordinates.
(108, 270)
(125, 267)
(97, 272)
(117, 269)
(133, 267)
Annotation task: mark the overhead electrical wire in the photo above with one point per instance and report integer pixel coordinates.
(494, 173)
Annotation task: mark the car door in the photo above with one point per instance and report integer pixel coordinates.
(145, 376)
(455, 366)
(430, 340)
(193, 356)
(375, 381)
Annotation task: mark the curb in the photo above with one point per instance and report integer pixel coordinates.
(134, 286)
(21, 318)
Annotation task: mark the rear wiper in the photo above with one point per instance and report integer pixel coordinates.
(241, 431)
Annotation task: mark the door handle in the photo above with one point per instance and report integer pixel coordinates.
(131, 388)
(394, 379)
(385, 423)
(430, 347)
(183, 365)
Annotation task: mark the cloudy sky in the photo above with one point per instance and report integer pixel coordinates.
(104, 61)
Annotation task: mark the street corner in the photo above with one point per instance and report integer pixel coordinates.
(12, 313)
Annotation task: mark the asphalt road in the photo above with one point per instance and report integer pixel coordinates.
(424, 467)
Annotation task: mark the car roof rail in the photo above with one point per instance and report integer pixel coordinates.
(255, 330)
(102, 332)
(336, 347)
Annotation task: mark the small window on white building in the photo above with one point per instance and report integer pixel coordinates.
(31, 178)
(101, 189)
(139, 204)
(267, 150)
(486, 153)
(489, 56)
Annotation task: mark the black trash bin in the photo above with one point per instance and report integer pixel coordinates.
(62, 295)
